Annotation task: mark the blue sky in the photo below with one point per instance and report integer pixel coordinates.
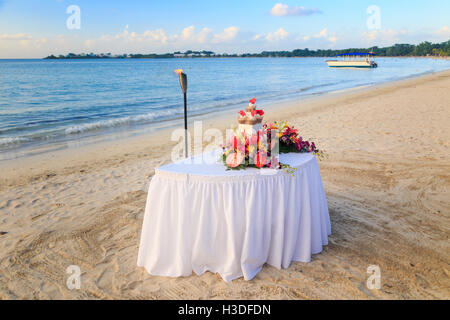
(30, 28)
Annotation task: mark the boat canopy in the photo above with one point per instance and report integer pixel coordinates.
(355, 54)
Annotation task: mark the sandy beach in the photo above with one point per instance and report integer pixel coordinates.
(387, 181)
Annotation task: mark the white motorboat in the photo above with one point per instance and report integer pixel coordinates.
(353, 60)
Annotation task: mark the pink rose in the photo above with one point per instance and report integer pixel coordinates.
(235, 159)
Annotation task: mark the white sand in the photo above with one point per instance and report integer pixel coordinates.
(387, 181)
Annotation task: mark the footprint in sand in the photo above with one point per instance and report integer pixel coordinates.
(37, 217)
(133, 285)
(51, 175)
(6, 204)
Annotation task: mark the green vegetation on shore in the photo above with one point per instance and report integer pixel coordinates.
(398, 50)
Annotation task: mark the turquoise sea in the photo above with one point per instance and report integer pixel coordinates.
(46, 102)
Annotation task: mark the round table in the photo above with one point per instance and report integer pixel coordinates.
(201, 217)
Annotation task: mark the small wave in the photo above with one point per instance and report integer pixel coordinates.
(318, 86)
(161, 115)
(13, 140)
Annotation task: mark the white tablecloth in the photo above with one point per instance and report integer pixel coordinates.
(202, 218)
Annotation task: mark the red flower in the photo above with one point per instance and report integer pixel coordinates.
(242, 113)
(260, 160)
(253, 113)
(260, 112)
(253, 101)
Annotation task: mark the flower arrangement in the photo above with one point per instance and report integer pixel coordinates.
(251, 115)
(290, 140)
(243, 150)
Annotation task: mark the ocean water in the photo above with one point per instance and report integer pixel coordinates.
(44, 102)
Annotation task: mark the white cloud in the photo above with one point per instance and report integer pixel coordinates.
(332, 38)
(18, 36)
(188, 32)
(156, 38)
(383, 36)
(227, 35)
(189, 35)
(204, 35)
(14, 45)
(444, 31)
(283, 10)
(322, 34)
(157, 35)
(389, 37)
(158, 41)
(278, 35)
(230, 40)
(22, 40)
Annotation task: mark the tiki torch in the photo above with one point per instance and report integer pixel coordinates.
(184, 85)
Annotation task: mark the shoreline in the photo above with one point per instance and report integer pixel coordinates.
(274, 111)
(387, 183)
(132, 131)
(229, 57)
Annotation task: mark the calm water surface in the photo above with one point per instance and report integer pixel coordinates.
(45, 102)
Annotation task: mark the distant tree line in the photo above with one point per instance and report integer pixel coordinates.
(398, 50)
